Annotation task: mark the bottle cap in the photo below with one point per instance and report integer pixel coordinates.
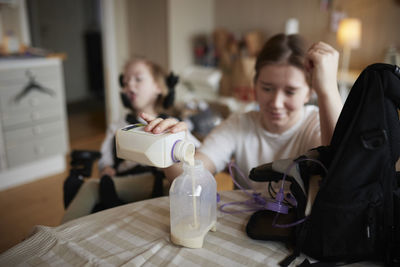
(183, 151)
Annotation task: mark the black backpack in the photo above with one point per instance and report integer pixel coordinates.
(356, 212)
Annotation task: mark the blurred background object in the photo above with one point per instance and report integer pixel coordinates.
(349, 37)
(292, 26)
(392, 55)
(201, 116)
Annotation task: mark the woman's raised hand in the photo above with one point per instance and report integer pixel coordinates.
(159, 125)
(322, 63)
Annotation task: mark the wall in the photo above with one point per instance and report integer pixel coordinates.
(380, 28)
(122, 53)
(186, 19)
(147, 22)
(122, 32)
(270, 16)
(59, 26)
(115, 51)
(163, 30)
(380, 20)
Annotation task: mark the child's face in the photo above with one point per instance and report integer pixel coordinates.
(281, 92)
(140, 87)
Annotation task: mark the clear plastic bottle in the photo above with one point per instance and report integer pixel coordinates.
(193, 205)
(158, 150)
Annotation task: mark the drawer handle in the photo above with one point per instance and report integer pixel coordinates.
(37, 130)
(39, 150)
(35, 116)
(32, 85)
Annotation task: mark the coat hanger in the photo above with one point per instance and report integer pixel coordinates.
(32, 85)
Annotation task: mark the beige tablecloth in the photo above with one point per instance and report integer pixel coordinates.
(137, 234)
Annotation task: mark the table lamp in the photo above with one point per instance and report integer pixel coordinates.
(349, 37)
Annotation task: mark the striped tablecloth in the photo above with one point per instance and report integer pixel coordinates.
(138, 234)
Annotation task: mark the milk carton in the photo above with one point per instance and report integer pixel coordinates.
(158, 150)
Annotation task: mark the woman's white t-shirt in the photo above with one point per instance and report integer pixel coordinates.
(242, 137)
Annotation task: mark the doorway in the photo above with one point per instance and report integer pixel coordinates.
(73, 27)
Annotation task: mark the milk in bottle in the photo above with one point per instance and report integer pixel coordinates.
(193, 205)
(193, 194)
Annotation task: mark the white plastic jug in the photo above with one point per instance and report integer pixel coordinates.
(158, 150)
(193, 205)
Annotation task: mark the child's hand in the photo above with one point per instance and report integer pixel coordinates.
(108, 170)
(322, 63)
(159, 125)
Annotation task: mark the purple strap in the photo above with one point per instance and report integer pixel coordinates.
(257, 202)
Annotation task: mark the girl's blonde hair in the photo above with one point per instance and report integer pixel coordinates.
(159, 76)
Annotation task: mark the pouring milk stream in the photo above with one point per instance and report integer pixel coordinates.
(193, 203)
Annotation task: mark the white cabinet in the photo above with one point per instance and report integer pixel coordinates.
(33, 125)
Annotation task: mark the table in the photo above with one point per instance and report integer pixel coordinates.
(138, 234)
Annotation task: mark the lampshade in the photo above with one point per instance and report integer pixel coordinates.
(349, 32)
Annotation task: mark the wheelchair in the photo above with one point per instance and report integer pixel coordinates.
(82, 162)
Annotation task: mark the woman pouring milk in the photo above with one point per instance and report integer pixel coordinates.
(283, 127)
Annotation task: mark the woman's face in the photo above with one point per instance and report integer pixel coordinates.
(281, 92)
(140, 87)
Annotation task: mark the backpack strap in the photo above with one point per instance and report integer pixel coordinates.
(299, 244)
(393, 256)
(307, 263)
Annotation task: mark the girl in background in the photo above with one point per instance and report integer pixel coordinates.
(145, 88)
